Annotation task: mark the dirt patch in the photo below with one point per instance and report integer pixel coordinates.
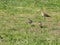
(55, 32)
(58, 23)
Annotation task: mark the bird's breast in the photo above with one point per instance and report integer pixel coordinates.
(42, 14)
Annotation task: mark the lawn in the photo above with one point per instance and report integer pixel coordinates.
(14, 26)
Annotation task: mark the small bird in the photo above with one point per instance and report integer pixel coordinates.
(43, 13)
(40, 24)
(30, 21)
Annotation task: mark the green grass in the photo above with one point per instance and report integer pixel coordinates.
(14, 27)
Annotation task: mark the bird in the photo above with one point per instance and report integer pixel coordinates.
(30, 21)
(43, 13)
(40, 24)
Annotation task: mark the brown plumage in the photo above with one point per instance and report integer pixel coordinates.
(43, 13)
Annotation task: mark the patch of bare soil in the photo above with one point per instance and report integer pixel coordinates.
(58, 23)
(55, 32)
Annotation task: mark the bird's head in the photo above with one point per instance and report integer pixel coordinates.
(42, 9)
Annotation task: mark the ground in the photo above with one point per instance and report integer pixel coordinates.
(14, 26)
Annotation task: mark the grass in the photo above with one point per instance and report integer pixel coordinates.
(14, 27)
